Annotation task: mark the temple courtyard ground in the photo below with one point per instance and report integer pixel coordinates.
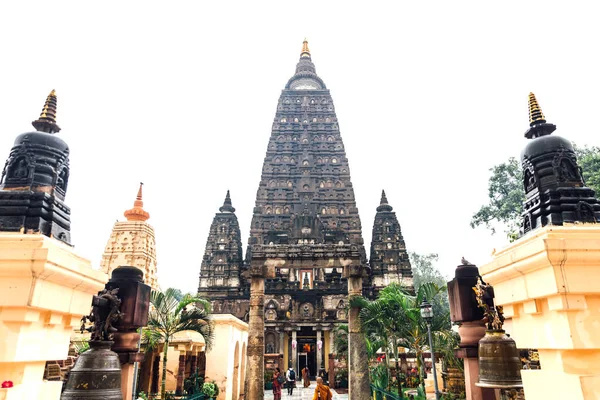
(301, 393)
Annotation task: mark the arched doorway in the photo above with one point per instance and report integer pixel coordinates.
(236, 372)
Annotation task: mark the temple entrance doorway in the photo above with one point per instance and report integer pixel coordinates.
(307, 351)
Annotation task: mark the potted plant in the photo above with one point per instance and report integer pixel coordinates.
(268, 380)
(341, 378)
(210, 390)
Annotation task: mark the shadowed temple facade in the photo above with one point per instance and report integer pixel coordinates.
(305, 221)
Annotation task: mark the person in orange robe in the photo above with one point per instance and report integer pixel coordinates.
(306, 377)
(322, 391)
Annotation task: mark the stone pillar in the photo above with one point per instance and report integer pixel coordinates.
(45, 289)
(358, 365)
(294, 360)
(547, 283)
(470, 334)
(155, 373)
(331, 371)
(281, 344)
(127, 380)
(202, 363)
(193, 363)
(180, 373)
(319, 353)
(465, 310)
(256, 338)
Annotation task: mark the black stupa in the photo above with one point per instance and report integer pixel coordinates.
(34, 180)
(555, 192)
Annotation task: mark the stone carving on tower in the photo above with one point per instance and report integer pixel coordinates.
(222, 263)
(388, 259)
(305, 225)
(132, 242)
(34, 180)
(555, 192)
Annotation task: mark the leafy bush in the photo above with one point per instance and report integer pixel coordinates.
(193, 383)
(142, 396)
(210, 389)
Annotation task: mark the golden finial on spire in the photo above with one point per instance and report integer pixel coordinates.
(47, 120)
(305, 51)
(537, 121)
(536, 115)
(137, 213)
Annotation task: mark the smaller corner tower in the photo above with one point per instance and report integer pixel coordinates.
(555, 192)
(389, 259)
(34, 180)
(132, 242)
(220, 279)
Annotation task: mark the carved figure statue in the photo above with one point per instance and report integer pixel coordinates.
(21, 170)
(306, 282)
(105, 313)
(306, 311)
(493, 317)
(270, 348)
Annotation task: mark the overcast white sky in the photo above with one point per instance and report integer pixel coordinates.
(182, 95)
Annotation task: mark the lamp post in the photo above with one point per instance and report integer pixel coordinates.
(427, 315)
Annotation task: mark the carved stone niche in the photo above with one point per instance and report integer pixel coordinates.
(306, 310)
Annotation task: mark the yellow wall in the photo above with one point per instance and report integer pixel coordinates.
(326, 351)
(547, 283)
(45, 289)
(220, 360)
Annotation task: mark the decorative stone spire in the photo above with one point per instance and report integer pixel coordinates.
(555, 192)
(47, 120)
(383, 204)
(137, 213)
(34, 180)
(227, 206)
(389, 259)
(537, 121)
(305, 51)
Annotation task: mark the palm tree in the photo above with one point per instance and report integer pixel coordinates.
(169, 316)
(395, 319)
(341, 341)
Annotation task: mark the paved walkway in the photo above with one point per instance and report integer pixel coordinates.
(301, 393)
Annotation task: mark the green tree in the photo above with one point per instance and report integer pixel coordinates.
(168, 315)
(425, 271)
(506, 192)
(394, 318)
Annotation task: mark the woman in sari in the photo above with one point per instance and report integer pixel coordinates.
(276, 385)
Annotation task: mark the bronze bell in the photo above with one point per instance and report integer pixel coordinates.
(96, 375)
(499, 362)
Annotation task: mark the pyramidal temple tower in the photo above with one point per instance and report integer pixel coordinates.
(222, 262)
(305, 227)
(388, 259)
(132, 243)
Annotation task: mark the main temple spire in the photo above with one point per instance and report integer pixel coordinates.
(47, 120)
(537, 121)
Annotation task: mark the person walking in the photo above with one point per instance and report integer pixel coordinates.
(278, 380)
(290, 377)
(322, 391)
(306, 376)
